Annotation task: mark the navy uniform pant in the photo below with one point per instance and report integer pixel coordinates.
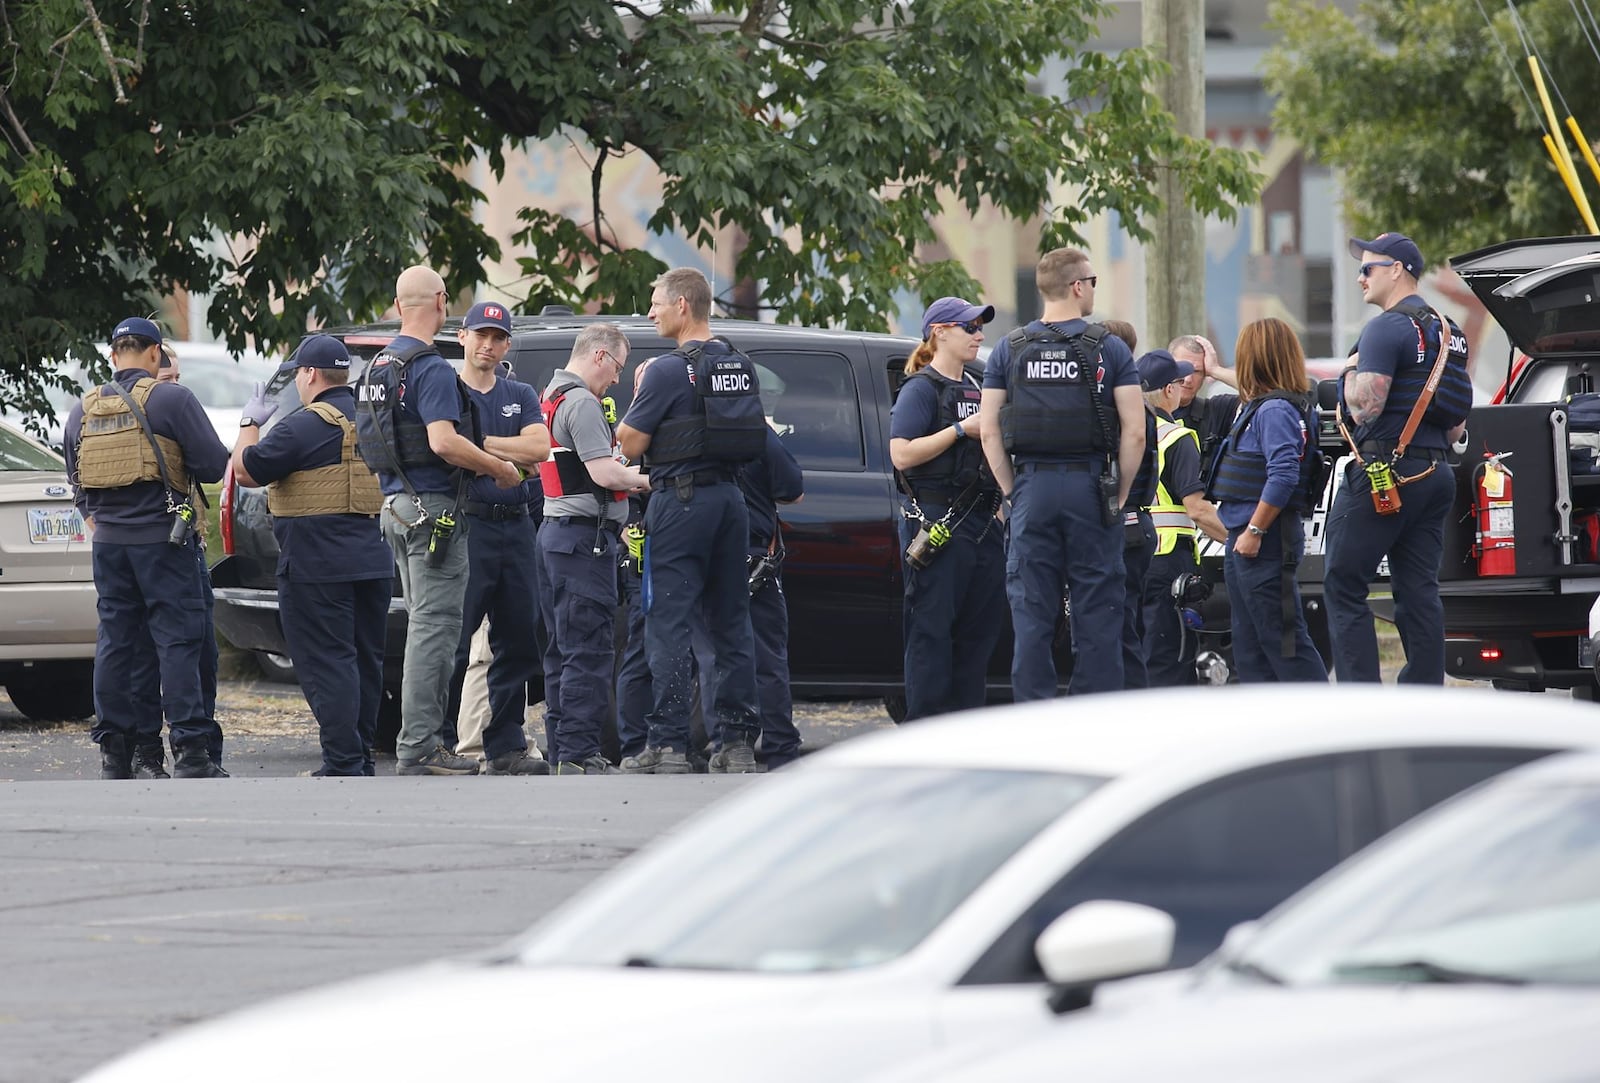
(335, 633)
(1169, 648)
(1060, 540)
(696, 560)
(769, 626)
(636, 701)
(148, 648)
(579, 597)
(503, 585)
(1256, 591)
(1135, 563)
(953, 615)
(149, 694)
(1413, 538)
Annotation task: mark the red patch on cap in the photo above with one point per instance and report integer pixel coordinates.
(494, 312)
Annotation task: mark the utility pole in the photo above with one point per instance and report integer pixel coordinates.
(1174, 275)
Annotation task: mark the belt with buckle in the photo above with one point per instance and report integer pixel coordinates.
(497, 512)
(1380, 449)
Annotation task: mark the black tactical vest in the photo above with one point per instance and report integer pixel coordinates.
(952, 472)
(389, 436)
(1453, 397)
(1052, 403)
(729, 424)
(1240, 476)
(1143, 490)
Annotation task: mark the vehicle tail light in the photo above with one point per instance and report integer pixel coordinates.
(225, 510)
(1489, 652)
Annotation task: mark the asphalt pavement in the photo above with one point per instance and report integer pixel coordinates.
(129, 909)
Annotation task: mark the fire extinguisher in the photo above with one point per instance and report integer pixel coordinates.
(1496, 546)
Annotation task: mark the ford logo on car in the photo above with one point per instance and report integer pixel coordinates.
(56, 490)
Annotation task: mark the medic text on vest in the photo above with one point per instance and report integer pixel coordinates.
(1058, 366)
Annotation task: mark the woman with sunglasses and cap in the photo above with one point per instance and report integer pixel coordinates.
(950, 542)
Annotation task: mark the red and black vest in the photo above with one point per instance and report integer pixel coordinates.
(563, 473)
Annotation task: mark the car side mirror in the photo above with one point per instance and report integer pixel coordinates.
(1099, 941)
(1237, 939)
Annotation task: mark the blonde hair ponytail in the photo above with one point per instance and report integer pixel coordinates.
(920, 357)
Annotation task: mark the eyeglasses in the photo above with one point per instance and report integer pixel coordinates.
(971, 327)
(1093, 280)
(1366, 268)
(612, 358)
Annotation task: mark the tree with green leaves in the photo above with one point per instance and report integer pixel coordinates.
(287, 159)
(1427, 109)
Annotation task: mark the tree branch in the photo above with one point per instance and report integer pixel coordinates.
(105, 49)
(16, 127)
(594, 191)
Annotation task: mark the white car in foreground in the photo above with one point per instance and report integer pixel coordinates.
(886, 897)
(1464, 948)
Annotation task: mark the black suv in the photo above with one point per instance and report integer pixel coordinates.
(827, 393)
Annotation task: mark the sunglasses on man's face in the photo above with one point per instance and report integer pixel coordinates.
(1368, 268)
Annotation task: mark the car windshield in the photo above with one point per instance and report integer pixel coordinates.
(1504, 887)
(825, 869)
(18, 454)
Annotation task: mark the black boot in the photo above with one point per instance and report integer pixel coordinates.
(194, 761)
(149, 760)
(116, 759)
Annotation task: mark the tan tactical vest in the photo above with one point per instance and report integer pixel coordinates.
(348, 487)
(114, 450)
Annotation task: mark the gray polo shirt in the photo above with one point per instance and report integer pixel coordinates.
(579, 423)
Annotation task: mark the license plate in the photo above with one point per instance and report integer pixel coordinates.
(54, 526)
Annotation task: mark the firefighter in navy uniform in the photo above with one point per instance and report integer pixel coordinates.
(502, 550)
(585, 506)
(774, 478)
(1063, 431)
(1176, 508)
(698, 418)
(951, 547)
(335, 571)
(418, 430)
(136, 452)
(1394, 358)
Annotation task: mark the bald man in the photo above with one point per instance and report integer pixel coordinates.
(419, 433)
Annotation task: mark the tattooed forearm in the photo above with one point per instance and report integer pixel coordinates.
(1365, 393)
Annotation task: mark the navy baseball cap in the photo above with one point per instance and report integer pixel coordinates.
(1158, 368)
(487, 314)
(319, 352)
(953, 310)
(1395, 246)
(139, 326)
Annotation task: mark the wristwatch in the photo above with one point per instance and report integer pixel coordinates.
(960, 432)
(1257, 531)
(249, 423)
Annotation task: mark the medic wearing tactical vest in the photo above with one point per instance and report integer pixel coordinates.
(419, 431)
(335, 572)
(585, 505)
(1063, 430)
(697, 418)
(136, 452)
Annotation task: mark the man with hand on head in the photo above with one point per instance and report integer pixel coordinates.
(335, 572)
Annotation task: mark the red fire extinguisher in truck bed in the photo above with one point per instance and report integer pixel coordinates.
(1496, 546)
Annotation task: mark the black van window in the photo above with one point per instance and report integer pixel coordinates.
(812, 402)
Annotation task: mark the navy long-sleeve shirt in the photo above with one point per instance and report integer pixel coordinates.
(137, 514)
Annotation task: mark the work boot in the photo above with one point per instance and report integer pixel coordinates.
(116, 758)
(149, 760)
(194, 761)
(516, 762)
(594, 765)
(656, 761)
(736, 757)
(441, 761)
